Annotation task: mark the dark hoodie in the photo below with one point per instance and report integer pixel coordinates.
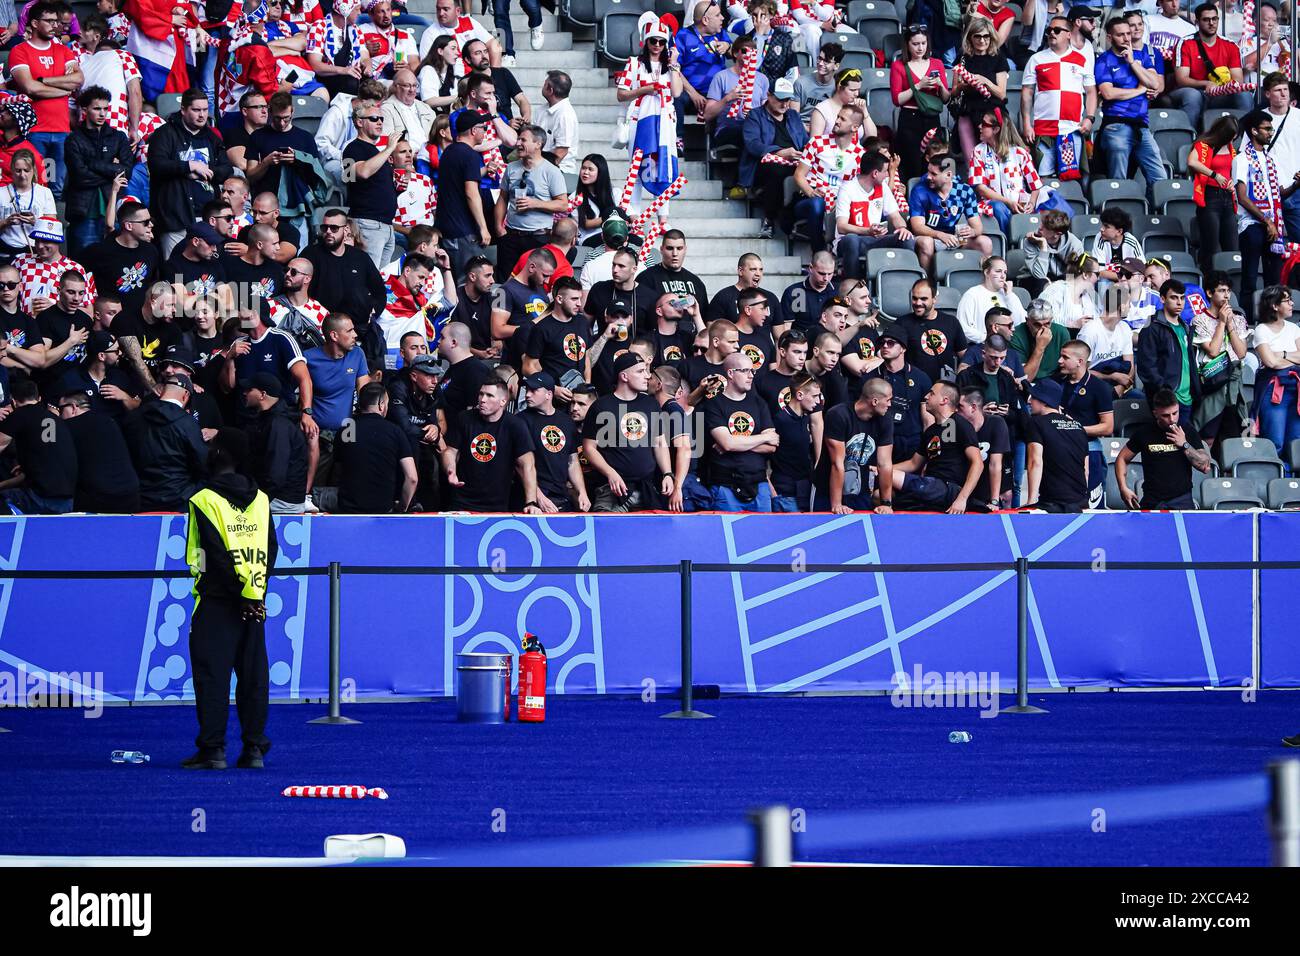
(175, 198)
(279, 452)
(170, 457)
(218, 579)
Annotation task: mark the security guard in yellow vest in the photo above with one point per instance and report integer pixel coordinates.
(231, 550)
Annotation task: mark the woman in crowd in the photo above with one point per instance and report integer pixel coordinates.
(437, 73)
(1210, 163)
(22, 202)
(287, 41)
(1003, 174)
(439, 139)
(1276, 340)
(650, 85)
(993, 291)
(1074, 298)
(597, 199)
(981, 56)
(920, 90)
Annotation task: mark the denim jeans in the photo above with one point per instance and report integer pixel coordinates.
(1194, 103)
(811, 211)
(378, 237)
(1280, 424)
(28, 502)
(795, 503)
(852, 251)
(724, 499)
(695, 496)
(1044, 148)
(50, 146)
(84, 233)
(501, 20)
(1119, 143)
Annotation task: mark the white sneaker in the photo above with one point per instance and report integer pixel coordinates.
(309, 507)
(536, 38)
(507, 60)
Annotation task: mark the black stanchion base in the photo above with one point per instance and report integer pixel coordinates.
(333, 720)
(1017, 709)
(687, 715)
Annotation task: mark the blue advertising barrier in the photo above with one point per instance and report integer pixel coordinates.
(612, 633)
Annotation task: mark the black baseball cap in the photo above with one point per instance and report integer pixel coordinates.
(618, 307)
(178, 355)
(264, 382)
(541, 380)
(430, 365)
(626, 361)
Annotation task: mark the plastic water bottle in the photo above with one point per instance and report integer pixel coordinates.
(130, 756)
(959, 737)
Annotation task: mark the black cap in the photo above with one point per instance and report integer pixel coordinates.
(179, 355)
(99, 341)
(263, 382)
(180, 381)
(891, 330)
(430, 365)
(540, 380)
(468, 119)
(626, 361)
(1082, 13)
(618, 307)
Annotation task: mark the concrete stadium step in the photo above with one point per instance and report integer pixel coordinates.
(544, 59)
(555, 42)
(693, 170)
(531, 77)
(584, 97)
(706, 209)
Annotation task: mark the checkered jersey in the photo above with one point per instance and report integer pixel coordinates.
(113, 70)
(311, 309)
(831, 163)
(310, 13)
(327, 40)
(395, 39)
(1058, 82)
(417, 201)
(42, 278)
(1013, 177)
(119, 27)
(149, 124)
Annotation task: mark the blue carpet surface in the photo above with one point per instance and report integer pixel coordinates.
(606, 767)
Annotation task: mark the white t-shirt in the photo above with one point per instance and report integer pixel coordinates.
(1106, 344)
(1166, 33)
(1285, 148)
(1287, 340)
(975, 304)
(561, 125)
(862, 208)
(39, 201)
(466, 29)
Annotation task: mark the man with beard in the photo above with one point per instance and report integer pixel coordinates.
(935, 340)
(749, 275)
(623, 286)
(555, 447)
(413, 400)
(624, 449)
(909, 386)
(257, 274)
(295, 310)
(523, 301)
(346, 280)
(671, 328)
(739, 425)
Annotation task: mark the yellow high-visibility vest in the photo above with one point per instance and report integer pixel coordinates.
(243, 535)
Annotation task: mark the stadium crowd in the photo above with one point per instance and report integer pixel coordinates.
(428, 298)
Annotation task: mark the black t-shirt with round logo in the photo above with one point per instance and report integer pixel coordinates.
(944, 446)
(865, 346)
(742, 418)
(623, 431)
(673, 348)
(555, 440)
(486, 460)
(862, 440)
(758, 347)
(559, 346)
(697, 368)
(774, 388)
(935, 344)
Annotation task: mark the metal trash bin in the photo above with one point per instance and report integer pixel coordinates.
(483, 688)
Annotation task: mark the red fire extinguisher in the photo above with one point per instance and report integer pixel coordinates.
(532, 681)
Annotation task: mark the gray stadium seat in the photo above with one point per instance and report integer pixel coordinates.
(1173, 141)
(1129, 414)
(1102, 191)
(1171, 190)
(168, 103)
(880, 104)
(947, 261)
(1023, 224)
(878, 260)
(1293, 455)
(1086, 228)
(852, 42)
(580, 12)
(860, 61)
(1229, 262)
(877, 31)
(947, 298)
(1252, 458)
(616, 36)
(308, 106)
(1284, 494)
(963, 279)
(874, 79)
(1229, 494)
(1112, 446)
(1015, 262)
(1160, 234)
(896, 291)
(1114, 500)
(1210, 117)
(871, 9)
(1169, 119)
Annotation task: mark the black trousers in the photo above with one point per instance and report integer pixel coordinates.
(912, 127)
(1254, 250)
(221, 641)
(1216, 224)
(771, 178)
(510, 247)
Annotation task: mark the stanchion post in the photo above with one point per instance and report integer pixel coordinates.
(773, 836)
(1284, 811)
(1022, 705)
(336, 589)
(688, 711)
